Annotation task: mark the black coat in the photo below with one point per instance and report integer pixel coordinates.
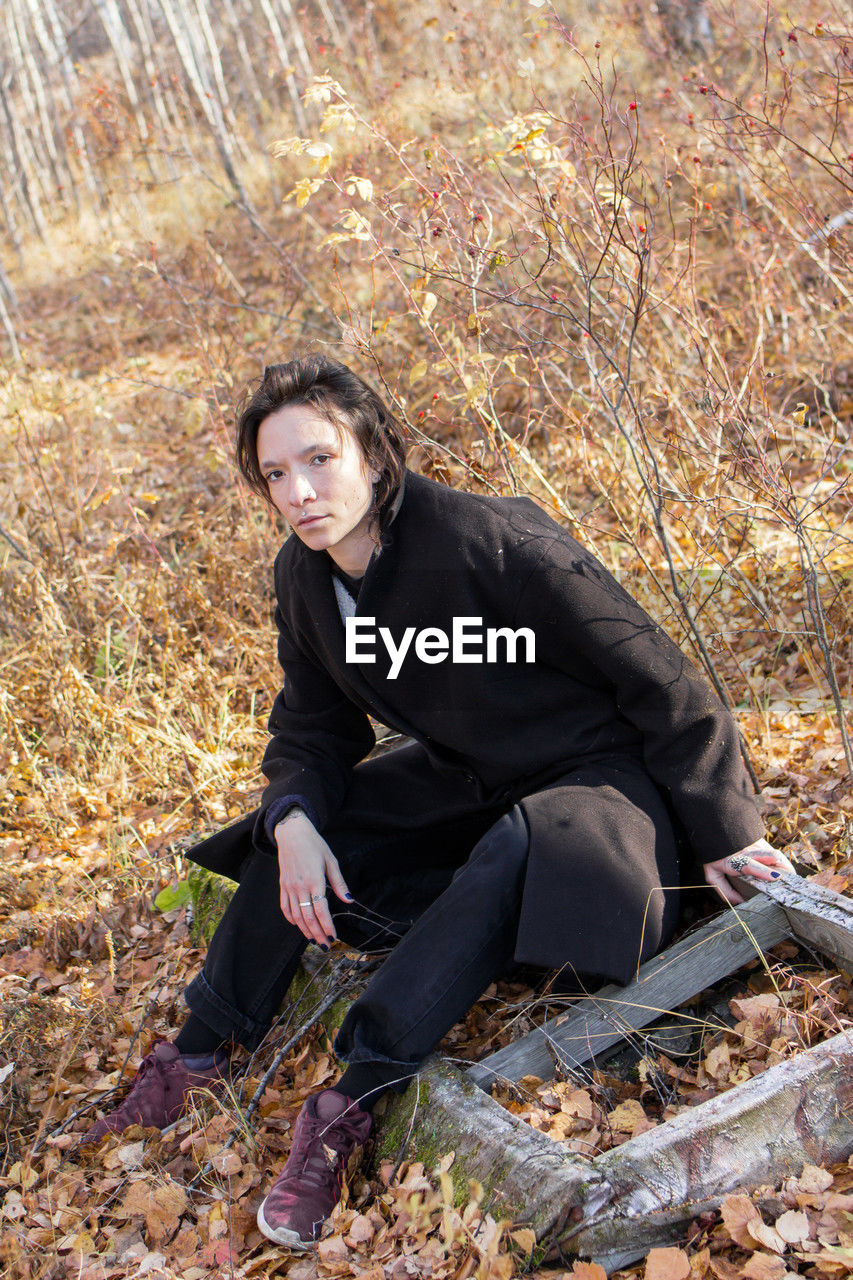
(610, 703)
(607, 681)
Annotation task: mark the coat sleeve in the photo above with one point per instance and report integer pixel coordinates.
(582, 618)
(318, 735)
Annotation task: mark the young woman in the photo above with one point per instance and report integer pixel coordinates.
(558, 739)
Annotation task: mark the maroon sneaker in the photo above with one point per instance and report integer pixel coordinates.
(328, 1130)
(158, 1094)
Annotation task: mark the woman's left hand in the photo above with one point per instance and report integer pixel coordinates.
(760, 861)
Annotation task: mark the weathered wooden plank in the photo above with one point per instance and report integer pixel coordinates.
(593, 1025)
(819, 917)
(800, 1111)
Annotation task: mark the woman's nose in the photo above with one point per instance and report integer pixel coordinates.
(301, 490)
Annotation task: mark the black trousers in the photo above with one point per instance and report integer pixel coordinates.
(444, 886)
(440, 963)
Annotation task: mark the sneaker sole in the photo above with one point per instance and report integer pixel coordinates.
(283, 1235)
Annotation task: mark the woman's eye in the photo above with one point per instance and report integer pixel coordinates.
(274, 475)
(320, 458)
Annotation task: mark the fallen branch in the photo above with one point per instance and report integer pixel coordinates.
(764, 1130)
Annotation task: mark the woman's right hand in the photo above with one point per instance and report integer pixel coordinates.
(305, 865)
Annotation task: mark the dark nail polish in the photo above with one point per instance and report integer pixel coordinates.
(349, 897)
(329, 938)
(774, 875)
(323, 947)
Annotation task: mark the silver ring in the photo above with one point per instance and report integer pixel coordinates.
(315, 897)
(308, 903)
(738, 862)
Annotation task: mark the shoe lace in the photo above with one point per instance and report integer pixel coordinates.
(318, 1167)
(150, 1065)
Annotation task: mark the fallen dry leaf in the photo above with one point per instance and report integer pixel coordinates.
(725, 1270)
(332, 1250)
(737, 1212)
(814, 1180)
(793, 1227)
(667, 1264)
(700, 1264)
(499, 1267)
(361, 1230)
(768, 1236)
(227, 1162)
(525, 1239)
(764, 1266)
(627, 1116)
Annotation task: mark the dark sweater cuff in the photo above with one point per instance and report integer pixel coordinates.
(279, 808)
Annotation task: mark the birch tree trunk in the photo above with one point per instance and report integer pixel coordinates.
(51, 36)
(687, 24)
(251, 84)
(117, 34)
(31, 87)
(8, 303)
(9, 220)
(28, 200)
(9, 328)
(250, 91)
(296, 32)
(215, 62)
(187, 46)
(164, 102)
(334, 29)
(284, 57)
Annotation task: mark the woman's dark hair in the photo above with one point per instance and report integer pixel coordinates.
(339, 395)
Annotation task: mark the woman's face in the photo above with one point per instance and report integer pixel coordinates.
(319, 480)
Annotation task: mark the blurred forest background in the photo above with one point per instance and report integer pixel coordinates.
(596, 253)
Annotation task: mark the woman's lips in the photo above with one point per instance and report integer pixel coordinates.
(304, 521)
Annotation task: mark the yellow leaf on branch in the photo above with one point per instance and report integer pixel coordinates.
(337, 115)
(304, 190)
(360, 186)
(321, 90)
